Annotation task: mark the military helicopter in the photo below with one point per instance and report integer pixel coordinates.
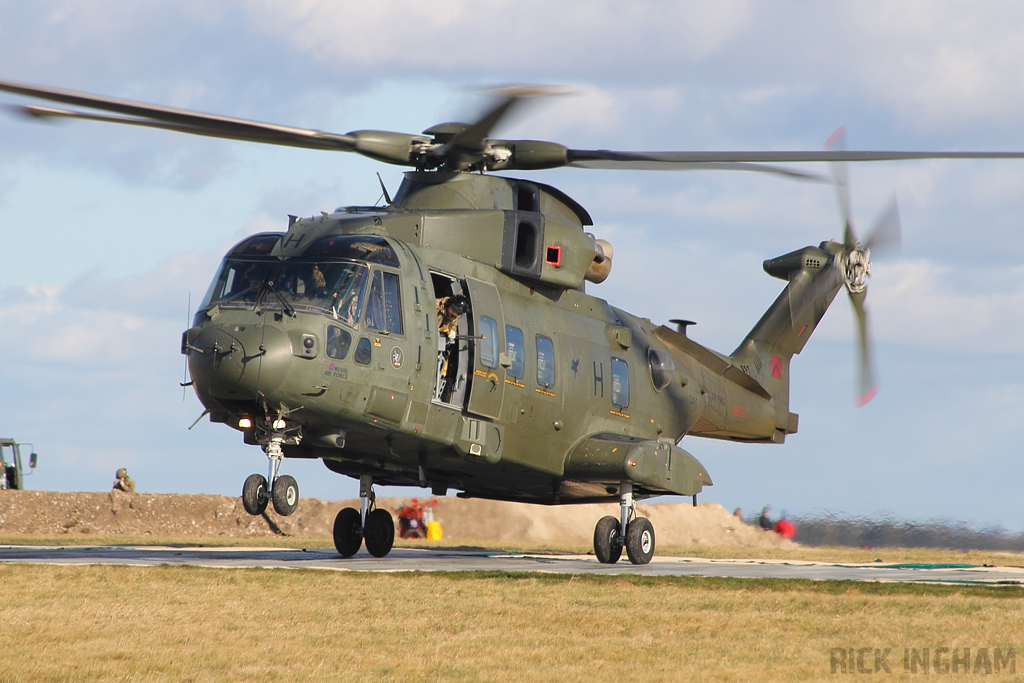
(446, 340)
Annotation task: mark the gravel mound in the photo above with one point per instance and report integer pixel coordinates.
(114, 513)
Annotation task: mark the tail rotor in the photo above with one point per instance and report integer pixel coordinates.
(852, 263)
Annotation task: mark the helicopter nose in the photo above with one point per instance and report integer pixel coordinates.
(239, 361)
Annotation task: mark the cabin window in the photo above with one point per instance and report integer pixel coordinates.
(339, 341)
(545, 362)
(661, 366)
(384, 308)
(516, 351)
(364, 352)
(488, 342)
(620, 383)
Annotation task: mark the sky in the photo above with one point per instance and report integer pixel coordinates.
(111, 235)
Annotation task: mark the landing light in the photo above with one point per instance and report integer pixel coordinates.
(279, 424)
(245, 423)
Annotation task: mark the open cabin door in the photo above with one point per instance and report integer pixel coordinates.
(487, 383)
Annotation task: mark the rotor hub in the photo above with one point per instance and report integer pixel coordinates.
(857, 268)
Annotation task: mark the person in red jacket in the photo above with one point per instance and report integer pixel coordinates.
(784, 527)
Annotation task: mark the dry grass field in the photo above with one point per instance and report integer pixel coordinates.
(191, 624)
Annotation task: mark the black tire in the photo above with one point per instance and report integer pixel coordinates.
(640, 540)
(285, 495)
(347, 534)
(379, 533)
(607, 545)
(254, 494)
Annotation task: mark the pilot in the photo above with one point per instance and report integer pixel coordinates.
(123, 482)
(319, 281)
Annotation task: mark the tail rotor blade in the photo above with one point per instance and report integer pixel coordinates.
(867, 384)
(841, 179)
(886, 234)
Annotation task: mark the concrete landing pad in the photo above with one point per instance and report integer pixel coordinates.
(457, 560)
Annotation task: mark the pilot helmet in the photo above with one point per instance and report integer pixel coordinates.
(459, 303)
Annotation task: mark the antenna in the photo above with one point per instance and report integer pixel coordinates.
(383, 189)
(188, 324)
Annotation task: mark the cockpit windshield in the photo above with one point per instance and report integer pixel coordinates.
(322, 280)
(318, 286)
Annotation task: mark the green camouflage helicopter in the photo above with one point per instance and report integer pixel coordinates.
(446, 340)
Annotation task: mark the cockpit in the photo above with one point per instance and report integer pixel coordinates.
(330, 278)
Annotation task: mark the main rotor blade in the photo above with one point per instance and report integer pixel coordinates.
(468, 145)
(464, 147)
(179, 120)
(585, 155)
(271, 135)
(658, 165)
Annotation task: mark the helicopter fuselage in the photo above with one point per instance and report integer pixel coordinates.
(328, 337)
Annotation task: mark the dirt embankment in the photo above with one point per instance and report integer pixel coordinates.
(45, 513)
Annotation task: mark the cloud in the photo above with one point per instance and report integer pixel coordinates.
(937, 73)
(925, 305)
(101, 220)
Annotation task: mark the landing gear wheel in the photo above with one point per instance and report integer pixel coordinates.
(254, 494)
(285, 495)
(347, 536)
(607, 543)
(640, 540)
(379, 533)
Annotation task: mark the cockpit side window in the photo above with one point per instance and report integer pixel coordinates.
(384, 305)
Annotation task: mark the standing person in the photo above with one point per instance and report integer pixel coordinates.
(784, 527)
(764, 521)
(123, 481)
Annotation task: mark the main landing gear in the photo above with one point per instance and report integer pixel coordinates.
(638, 539)
(370, 524)
(283, 490)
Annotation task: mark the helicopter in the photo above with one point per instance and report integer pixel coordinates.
(446, 339)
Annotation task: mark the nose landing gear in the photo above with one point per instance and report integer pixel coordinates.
(371, 524)
(283, 491)
(638, 539)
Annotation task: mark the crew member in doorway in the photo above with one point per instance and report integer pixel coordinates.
(449, 309)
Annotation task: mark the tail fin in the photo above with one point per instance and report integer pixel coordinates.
(814, 280)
